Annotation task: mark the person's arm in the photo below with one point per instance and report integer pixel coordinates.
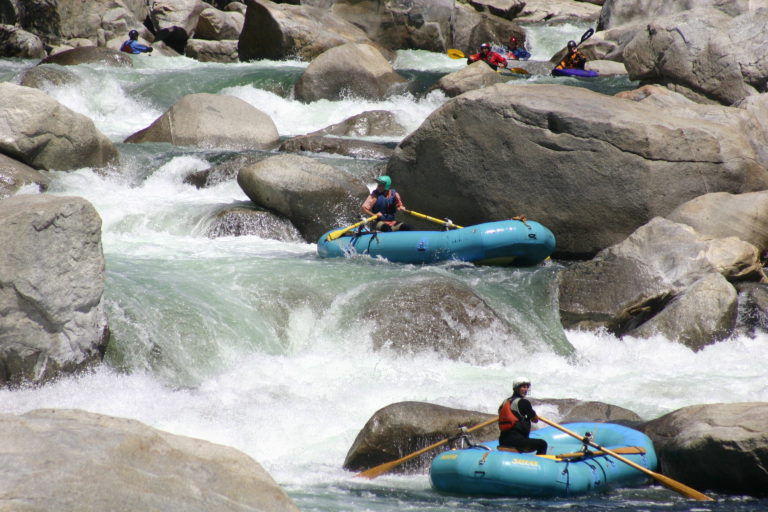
(367, 205)
(526, 409)
(502, 62)
(399, 202)
(143, 48)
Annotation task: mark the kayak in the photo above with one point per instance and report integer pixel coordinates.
(584, 73)
(506, 242)
(566, 469)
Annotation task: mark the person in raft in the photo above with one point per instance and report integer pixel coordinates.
(573, 59)
(515, 417)
(132, 45)
(384, 202)
(488, 56)
(516, 52)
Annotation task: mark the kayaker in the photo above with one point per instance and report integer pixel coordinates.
(488, 56)
(132, 45)
(573, 59)
(516, 52)
(515, 417)
(384, 201)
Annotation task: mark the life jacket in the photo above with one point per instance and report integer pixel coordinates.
(126, 47)
(386, 205)
(509, 414)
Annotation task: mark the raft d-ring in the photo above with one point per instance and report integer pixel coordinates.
(482, 459)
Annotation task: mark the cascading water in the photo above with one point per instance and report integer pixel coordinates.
(260, 345)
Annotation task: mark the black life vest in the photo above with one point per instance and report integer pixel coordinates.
(386, 205)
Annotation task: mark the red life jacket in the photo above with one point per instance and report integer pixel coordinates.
(125, 47)
(508, 414)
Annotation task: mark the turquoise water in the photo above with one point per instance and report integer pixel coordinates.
(260, 345)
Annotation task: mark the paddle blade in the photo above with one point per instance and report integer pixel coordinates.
(519, 71)
(681, 488)
(587, 35)
(456, 54)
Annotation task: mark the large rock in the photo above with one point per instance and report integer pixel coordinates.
(247, 220)
(175, 21)
(661, 265)
(37, 130)
(722, 447)
(704, 313)
(15, 42)
(592, 168)
(554, 11)
(279, 31)
(15, 175)
(93, 462)
(357, 70)
(371, 123)
(721, 215)
(622, 12)
(51, 286)
(703, 53)
(314, 196)
(90, 55)
(474, 76)
(217, 25)
(333, 145)
(211, 121)
(212, 51)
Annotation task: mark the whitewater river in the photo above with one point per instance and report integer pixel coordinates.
(258, 344)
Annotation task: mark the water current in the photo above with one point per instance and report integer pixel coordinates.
(258, 344)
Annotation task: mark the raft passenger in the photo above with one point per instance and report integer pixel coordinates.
(132, 45)
(515, 417)
(384, 201)
(488, 56)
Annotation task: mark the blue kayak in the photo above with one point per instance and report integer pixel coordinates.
(584, 73)
(506, 242)
(565, 470)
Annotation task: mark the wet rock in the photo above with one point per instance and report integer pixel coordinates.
(121, 465)
(720, 447)
(474, 76)
(44, 134)
(346, 147)
(90, 55)
(15, 42)
(212, 51)
(245, 220)
(211, 121)
(52, 270)
(14, 175)
(372, 123)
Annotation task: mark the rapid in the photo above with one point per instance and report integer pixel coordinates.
(259, 345)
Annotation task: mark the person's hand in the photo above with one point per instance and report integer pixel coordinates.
(535, 419)
(151, 49)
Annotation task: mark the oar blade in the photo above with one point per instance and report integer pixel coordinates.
(681, 488)
(455, 54)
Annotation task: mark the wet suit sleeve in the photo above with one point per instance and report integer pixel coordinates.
(526, 409)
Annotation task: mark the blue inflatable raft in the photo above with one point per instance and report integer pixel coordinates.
(583, 73)
(507, 242)
(566, 470)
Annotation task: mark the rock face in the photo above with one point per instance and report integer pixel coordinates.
(437, 315)
(722, 447)
(51, 286)
(621, 12)
(664, 279)
(37, 130)
(703, 53)
(212, 51)
(353, 148)
(15, 42)
(14, 175)
(357, 70)
(175, 21)
(121, 465)
(372, 123)
(405, 427)
(211, 121)
(279, 31)
(592, 168)
(90, 54)
(315, 197)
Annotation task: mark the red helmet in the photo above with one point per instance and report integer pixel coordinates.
(513, 39)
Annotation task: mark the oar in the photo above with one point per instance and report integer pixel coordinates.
(666, 481)
(444, 222)
(333, 235)
(387, 466)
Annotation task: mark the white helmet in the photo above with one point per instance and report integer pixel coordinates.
(519, 381)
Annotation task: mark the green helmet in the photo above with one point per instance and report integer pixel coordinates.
(386, 181)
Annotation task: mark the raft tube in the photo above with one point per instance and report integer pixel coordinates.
(506, 242)
(484, 470)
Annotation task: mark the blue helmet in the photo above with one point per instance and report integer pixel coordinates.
(133, 34)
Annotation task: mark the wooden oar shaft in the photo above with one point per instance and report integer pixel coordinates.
(433, 219)
(668, 482)
(623, 449)
(383, 468)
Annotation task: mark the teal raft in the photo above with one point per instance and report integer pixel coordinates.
(566, 469)
(507, 242)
